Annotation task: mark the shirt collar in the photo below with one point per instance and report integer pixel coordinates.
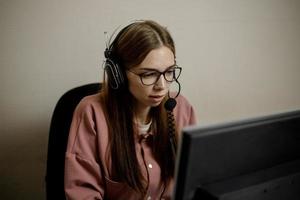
(144, 130)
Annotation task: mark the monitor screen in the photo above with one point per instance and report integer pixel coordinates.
(250, 159)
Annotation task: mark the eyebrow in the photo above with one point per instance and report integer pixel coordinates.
(152, 69)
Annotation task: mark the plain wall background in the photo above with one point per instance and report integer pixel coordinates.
(241, 59)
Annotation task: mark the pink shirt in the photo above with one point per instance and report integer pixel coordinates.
(87, 173)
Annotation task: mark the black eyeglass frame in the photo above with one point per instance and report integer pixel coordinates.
(160, 73)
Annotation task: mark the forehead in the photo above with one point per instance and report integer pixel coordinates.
(158, 59)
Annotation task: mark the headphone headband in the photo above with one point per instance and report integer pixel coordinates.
(111, 41)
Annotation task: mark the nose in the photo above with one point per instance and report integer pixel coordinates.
(161, 82)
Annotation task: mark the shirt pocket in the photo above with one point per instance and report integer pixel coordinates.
(119, 191)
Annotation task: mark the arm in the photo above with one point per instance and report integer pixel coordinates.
(83, 176)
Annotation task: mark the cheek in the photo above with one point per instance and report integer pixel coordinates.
(134, 87)
(168, 85)
(138, 91)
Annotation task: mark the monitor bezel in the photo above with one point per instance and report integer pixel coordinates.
(192, 132)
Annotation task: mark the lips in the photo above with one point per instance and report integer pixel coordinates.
(156, 98)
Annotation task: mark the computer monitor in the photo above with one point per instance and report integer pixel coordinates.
(252, 159)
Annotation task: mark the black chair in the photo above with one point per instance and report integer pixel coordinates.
(58, 137)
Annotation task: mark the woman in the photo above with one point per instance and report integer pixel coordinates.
(119, 144)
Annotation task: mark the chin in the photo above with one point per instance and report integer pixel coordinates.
(155, 104)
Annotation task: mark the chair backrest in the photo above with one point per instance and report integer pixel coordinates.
(58, 138)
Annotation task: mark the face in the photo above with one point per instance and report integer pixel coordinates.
(157, 60)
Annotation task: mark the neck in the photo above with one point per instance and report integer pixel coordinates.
(142, 115)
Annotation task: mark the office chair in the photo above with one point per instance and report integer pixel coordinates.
(58, 137)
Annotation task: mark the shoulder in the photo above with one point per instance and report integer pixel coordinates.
(89, 103)
(89, 108)
(182, 105)
(184, 112)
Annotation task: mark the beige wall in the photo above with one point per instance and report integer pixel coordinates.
(240, 59)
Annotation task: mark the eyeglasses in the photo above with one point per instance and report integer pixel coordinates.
(152, 76)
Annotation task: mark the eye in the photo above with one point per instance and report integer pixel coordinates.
(170, 71)
(149, 75)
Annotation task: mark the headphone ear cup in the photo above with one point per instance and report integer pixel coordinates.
(114, 73)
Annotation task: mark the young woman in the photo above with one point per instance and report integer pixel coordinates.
(120, 144)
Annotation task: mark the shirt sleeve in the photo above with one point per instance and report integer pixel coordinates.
(83, 176)
(192, 117)
(184, 113)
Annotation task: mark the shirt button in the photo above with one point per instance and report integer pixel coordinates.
(150, 166)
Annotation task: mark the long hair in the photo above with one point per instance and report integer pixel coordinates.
(129, 49)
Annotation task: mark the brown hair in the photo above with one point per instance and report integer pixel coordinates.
(129, 49)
